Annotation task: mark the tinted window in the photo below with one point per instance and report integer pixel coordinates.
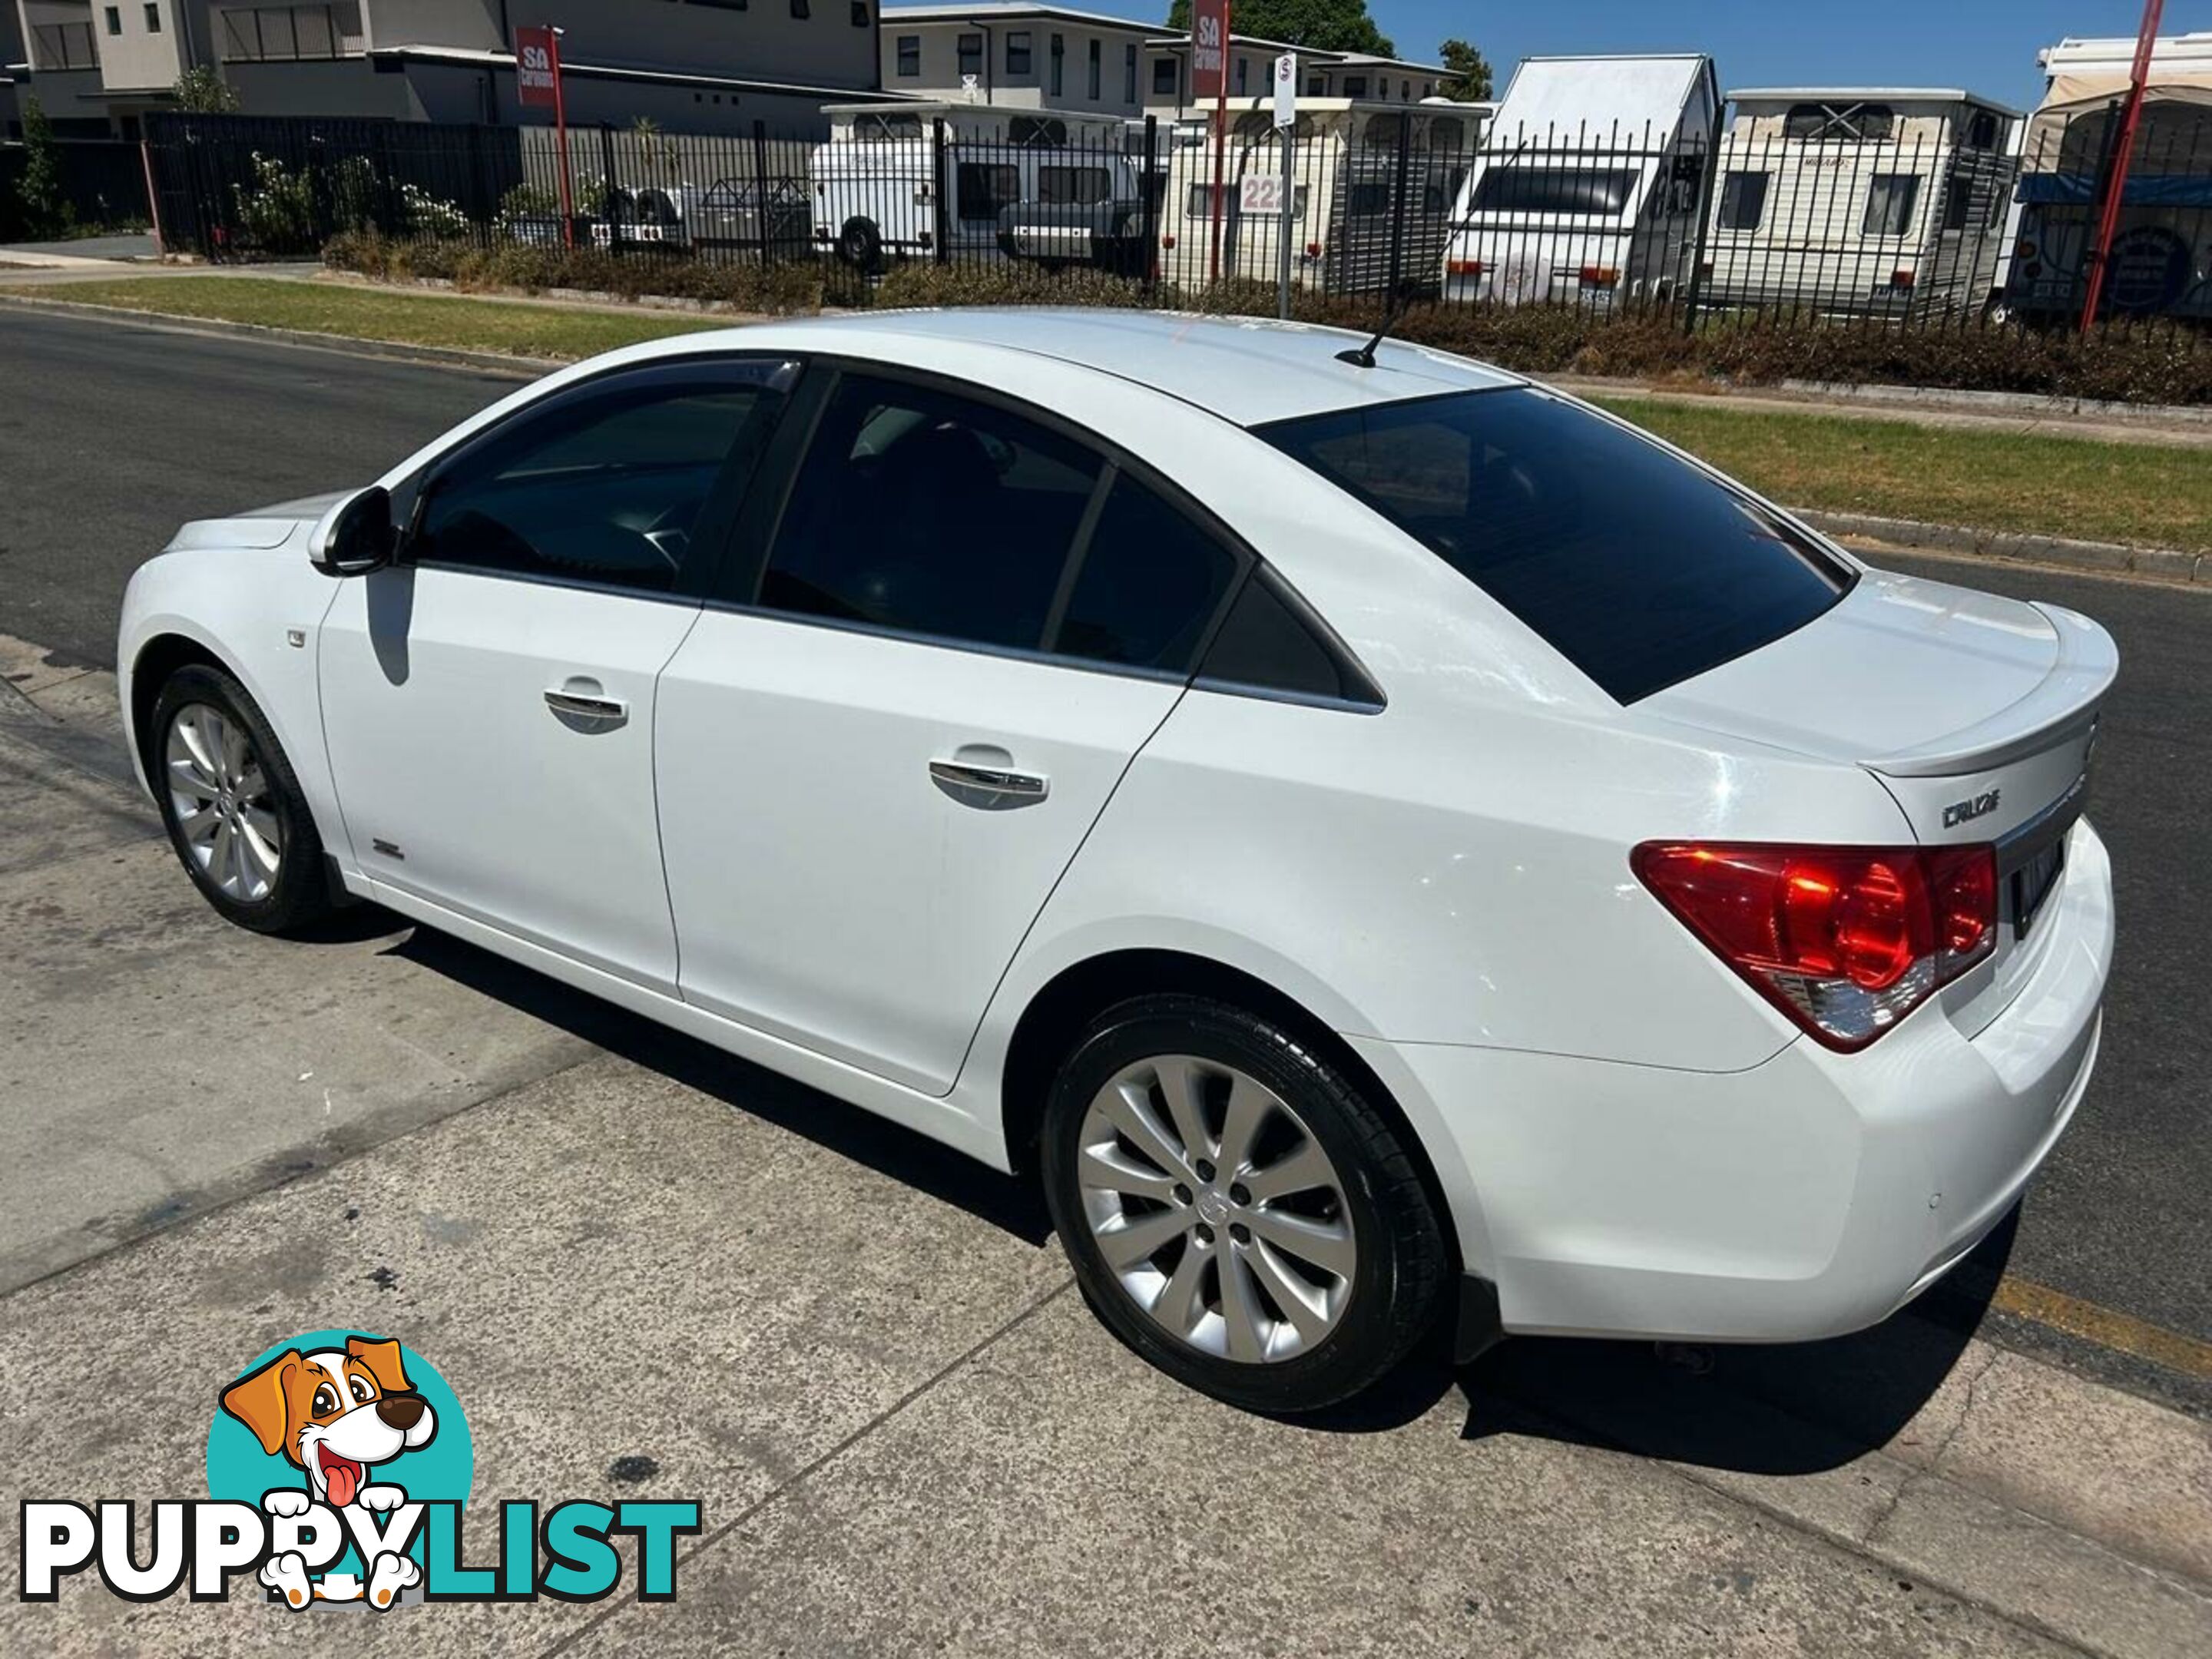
(931, 514)
(1017, 51)
(1637, 567)
(1890, 201)
(608, 487)
(984, 189)
(1078, 186)
(909, 54)
(1510, 189)
(1958, 204)
(1265, 644)
(1149, 583)
(1743, 201)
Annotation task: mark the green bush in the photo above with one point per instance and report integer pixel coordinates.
(779, 289)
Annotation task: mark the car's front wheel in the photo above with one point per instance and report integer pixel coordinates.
(1236, 1210)
(233, 805)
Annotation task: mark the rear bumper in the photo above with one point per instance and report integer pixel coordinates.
(1809, 1196)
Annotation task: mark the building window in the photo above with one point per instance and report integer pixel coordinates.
(909, 55)
(971, 55)
(1164, 78)
(1428, 90)
(153, 18)
(115, 19)
(1093, 92)
(859, 14)
(1243, 74)
(288, 33)
(1743, 201)
(1017, 51)
(1355, 86)
(1129, 74)
(801, 8)
(1058, 66)
(1317, 86)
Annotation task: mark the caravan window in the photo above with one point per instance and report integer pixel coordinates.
(1199, 203)
(1074, 186)
(1036, 132)
(1385, 129)
(885, 129)
(983, 189)
(1981, 130)
(1842, 124)
(1743, 201)
(1511, 188)
(1891, 200)
(1958, 204)
(1447, 132)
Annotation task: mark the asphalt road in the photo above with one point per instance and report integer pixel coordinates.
(111, 434)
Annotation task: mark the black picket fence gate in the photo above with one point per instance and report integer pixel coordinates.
(102, 180)
(1945, 225)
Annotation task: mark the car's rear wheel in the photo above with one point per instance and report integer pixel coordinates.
(232, 805)
(1236, 1212)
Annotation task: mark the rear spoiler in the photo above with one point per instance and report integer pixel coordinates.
(2063, 704)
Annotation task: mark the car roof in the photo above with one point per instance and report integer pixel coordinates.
(1246, 370)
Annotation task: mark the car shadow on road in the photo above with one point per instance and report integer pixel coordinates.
(1785, 1408)
(1778, 1409)
(886, 1147)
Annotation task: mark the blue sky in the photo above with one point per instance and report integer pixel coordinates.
(1987, 47)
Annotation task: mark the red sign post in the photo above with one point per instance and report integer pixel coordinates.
(1209, 78)
(537, 86)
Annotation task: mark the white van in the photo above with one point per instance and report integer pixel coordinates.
(1860, 201)
(1588, 184)
(884, 187)
(1348, 198)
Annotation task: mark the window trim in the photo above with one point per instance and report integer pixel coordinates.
(759, 522)
(718, 518)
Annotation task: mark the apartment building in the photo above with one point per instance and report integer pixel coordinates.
(1017, 56)
(1011, 53)
(691, 65)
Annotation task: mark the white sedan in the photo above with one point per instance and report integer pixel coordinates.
(1380, 841)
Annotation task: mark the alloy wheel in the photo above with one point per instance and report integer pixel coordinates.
(226, 818)
(1216, 1209)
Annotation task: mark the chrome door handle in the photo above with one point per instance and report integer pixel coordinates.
(993, 780)
(586, 708)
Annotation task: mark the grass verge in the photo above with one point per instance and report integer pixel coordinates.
(2112, 492)
(365, 313)
(2138, 494)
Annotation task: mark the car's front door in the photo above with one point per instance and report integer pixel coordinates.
(488, 701)
(883, 745)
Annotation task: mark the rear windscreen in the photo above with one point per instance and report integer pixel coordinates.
(1507, 188)
(1638, 567)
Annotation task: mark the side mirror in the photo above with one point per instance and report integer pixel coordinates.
(356, 536)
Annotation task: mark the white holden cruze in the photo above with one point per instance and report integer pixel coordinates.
(1376, 838)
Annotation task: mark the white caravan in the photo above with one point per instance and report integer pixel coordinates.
(887, 187)
(2161, 260)
(1860, 201)
(1588, 184)
(1347, 198)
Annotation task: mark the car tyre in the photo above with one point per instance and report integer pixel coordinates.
(231, 804)
(1299, 1258)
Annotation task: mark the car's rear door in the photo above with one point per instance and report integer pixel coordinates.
(488, 701)
(887, 737)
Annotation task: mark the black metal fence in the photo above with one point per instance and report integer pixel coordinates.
(1955, 220)
(102, 184)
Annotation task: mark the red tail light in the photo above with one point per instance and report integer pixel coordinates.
(1845, 940)
(1599, 275)
(1901, 278)
(1463, 267)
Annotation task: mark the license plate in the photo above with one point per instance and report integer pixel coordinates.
(2033, 883)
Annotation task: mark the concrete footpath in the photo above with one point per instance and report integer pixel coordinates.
(651, 1271)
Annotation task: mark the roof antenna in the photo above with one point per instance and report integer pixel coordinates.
(1364, 356)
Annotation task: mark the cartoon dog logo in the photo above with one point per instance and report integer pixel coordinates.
(335, 1413)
